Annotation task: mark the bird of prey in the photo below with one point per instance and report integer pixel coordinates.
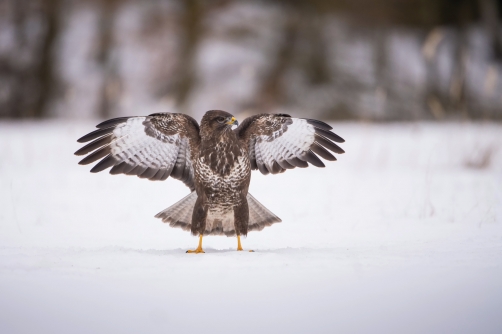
(213, 160)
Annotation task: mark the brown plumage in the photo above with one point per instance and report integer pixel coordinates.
(213, 160)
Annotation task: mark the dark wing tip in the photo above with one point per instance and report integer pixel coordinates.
(103, 129)
(112, 122)
(101, 153)
(336, 138)
(107, 162)
(318, 149)
(330, 135)
(324, 129)
(318, 124)
(94, 145)
(314, 159)
(95, 134)
(119, 168)
(328, 144)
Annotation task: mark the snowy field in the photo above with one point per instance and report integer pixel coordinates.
(403, 234)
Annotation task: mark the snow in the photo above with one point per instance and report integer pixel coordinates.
(402, 235)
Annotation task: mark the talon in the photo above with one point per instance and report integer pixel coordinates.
(198, 249)
(239, 246)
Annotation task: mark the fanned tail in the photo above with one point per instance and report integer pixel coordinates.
(259, 216)
(180, 215)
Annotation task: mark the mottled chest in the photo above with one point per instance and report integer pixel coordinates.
(223, 163)
(223, 173)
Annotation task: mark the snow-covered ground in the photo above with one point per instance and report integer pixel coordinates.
(402, 235)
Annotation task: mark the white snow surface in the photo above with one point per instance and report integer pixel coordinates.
(403, 234)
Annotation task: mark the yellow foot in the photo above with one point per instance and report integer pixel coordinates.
(251, 251)
(196, 251)
(239, 246)
(199, 248)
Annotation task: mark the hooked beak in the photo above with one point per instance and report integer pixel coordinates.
(232, 121)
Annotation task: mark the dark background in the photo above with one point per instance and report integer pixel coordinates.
(365, 60)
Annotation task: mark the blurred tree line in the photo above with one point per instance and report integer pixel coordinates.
(342, 59)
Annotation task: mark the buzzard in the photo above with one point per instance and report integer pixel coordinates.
(213, 160)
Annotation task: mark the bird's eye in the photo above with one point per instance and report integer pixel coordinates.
(220, 119)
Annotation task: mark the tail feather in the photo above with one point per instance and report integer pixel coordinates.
(180, 215)
(259, 216)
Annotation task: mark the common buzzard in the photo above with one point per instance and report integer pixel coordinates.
(213, 160)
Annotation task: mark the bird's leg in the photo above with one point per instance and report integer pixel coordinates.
(239, 246)
(199, 248)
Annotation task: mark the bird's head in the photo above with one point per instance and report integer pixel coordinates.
(217, 120)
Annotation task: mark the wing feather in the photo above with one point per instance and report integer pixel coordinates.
(318, 124)
(105, 163)
(278, 142)
(297, 162)
(153, 147)
(328, 144)
(313, 159)
(102, 152)
(94, 144)
(95, 134)
(120, 168)
(330, 135)
(285, 164)
(318, 149)
(112, 122)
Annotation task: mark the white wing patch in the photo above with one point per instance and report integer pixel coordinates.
(153, 147)
(292, 143)
(133, 146)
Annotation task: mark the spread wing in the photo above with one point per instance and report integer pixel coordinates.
(278, 142)
(153, 147)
